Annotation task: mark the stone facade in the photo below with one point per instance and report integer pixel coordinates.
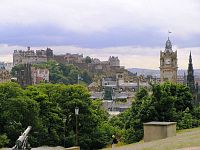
(31, 57)
(29, 75)
(4, 75)
(109, 67)
(114, 61)
(69, 58)
(39, 75)
(168, 64)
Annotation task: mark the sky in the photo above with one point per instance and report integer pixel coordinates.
(133, 30)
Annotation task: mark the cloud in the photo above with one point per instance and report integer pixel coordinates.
(134, 30)
(181, 17)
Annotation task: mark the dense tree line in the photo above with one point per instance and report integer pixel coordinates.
(61, 73)
(46, 107)
(164, 102)
(49, 109)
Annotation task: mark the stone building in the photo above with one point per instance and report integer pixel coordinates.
(69, 58)
(39, 75)
(114, 61)
(4, 75)
(28, 75)
(168, 64)
(31, 57)
(24, 75)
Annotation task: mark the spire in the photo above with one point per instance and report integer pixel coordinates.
(190, 75)
(190, 58)
(168, 45)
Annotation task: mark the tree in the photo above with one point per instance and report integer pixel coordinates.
(88, 59)
(3, 140)
(163, 102)
(64, 73)
(58, 101)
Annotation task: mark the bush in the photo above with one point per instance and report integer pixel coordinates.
(3, 140)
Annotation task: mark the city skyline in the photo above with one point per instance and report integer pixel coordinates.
(135, 31)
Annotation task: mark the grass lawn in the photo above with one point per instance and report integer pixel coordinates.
(183, 139)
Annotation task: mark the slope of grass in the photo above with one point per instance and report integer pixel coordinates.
(183, 139)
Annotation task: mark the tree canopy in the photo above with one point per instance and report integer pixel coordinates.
(49, 109)
(61, 73)
(164, 102)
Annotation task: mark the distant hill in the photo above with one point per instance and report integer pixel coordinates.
(141, 71)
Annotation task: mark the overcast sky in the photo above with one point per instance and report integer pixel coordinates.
(133, 30)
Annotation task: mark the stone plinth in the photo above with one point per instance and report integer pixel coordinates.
(158, 130)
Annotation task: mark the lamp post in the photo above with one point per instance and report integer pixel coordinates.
(76, 114)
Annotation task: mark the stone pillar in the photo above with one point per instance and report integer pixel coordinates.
(158, 130)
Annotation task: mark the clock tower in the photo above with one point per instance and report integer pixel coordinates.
(168, 64)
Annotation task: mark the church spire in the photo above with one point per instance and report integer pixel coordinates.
(190, 58)
(190, 76)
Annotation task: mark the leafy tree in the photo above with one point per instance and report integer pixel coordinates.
(88, 59)
(3, 140)
(16, 69)
(164, 102)
(17, 111)
(65, 73)
(186, 120)
(57, 101)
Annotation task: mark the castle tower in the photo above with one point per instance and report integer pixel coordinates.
(168, 64)
(190, 75)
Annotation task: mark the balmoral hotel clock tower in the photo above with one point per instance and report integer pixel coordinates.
(168, 64)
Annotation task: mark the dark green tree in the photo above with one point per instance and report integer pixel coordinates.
(88, 59)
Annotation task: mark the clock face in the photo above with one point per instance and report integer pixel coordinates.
(167, 61)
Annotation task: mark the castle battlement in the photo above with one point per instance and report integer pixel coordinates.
(31, 56)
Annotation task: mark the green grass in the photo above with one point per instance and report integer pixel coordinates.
(183, 139)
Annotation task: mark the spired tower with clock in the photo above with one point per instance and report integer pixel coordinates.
(168, 64)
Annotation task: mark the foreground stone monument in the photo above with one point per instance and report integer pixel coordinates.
(158, 130)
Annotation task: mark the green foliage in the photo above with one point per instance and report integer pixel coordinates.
(66, 74)
(186, 120)
(88, 59)
(15, 69)
(3, 140)
(49, 109)
(165, 102)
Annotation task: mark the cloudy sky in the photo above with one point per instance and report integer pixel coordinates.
(133, 30)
